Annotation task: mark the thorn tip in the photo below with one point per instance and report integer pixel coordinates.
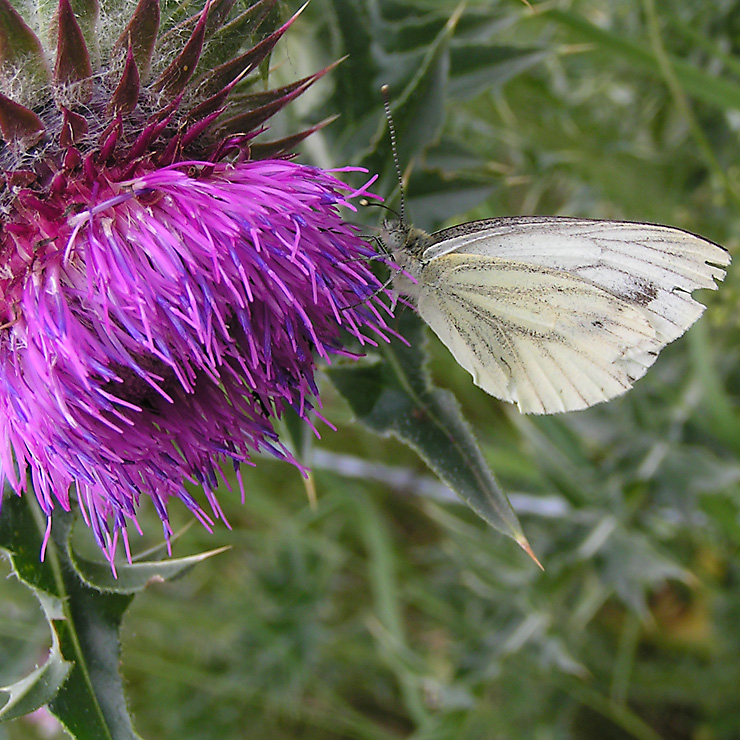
(524, 544)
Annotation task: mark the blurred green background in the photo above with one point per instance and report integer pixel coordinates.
(390, 611)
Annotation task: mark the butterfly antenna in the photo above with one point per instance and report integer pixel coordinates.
(392, 129)
(365, 203)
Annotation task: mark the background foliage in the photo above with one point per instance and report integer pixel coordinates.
(389, 611)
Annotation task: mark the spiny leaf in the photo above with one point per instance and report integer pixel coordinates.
(126, 94)
(270, 149)
(229, 38)
(80, 681)
(21, 537)
(174, 79)
(73, 59)
(43, 683)
(20, 47)
(257, 115)
(418, 111)
(130, 578)
(84, 605)
(141, 34)
(395, 397)
(353, 23)
(19, 125)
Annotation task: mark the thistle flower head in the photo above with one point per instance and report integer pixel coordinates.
(165, 289)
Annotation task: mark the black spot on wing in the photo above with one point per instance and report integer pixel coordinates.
(640, 292)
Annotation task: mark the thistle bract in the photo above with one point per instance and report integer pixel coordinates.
(165, 289)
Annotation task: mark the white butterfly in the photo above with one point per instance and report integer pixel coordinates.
(555, 314)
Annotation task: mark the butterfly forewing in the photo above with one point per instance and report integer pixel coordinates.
(654, 266)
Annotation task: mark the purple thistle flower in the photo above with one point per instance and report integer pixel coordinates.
(160, 329)
(166, 286)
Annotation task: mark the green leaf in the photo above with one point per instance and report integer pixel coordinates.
(80, 681)
(130, 578)
(418, 83)
(694, 80)
(91, 703)
(21, 538)
(84, 604)
(395, 397)
(350, 23)
(437, 196)
(419, 109)
(475, 68)
(39, 687)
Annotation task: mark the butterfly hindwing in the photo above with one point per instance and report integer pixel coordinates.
(540, 337)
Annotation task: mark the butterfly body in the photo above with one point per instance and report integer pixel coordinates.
(555, 314)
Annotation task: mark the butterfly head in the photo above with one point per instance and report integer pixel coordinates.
(394, 234)
(403, 242)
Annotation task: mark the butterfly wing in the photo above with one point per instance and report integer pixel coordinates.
(562, 329)
(647, 265)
